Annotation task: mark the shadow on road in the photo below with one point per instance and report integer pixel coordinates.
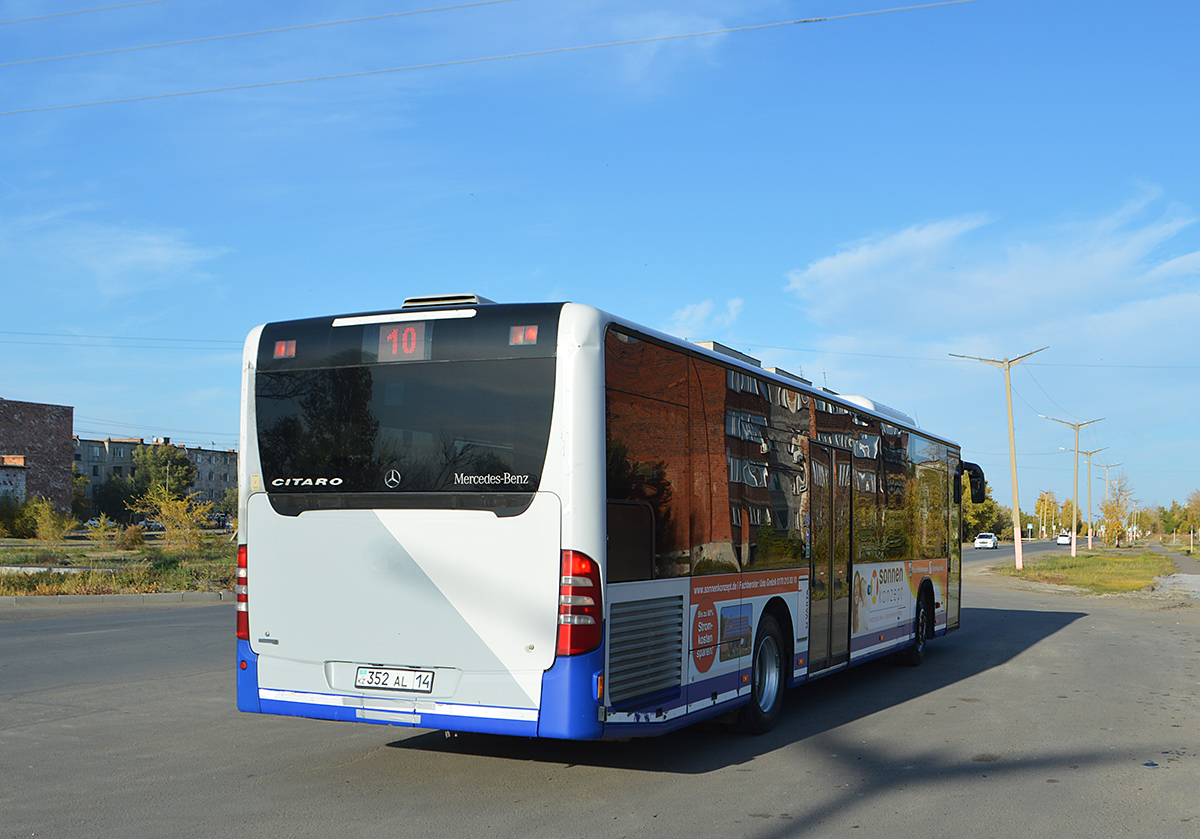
(990, 638)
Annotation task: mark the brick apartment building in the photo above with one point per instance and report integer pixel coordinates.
(36, 451)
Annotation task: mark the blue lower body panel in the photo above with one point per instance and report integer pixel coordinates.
(570, 708)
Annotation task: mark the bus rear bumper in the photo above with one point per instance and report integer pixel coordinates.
(247, 679)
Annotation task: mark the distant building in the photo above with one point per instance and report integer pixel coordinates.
(35, 451)
(216, 469)
(100, 460)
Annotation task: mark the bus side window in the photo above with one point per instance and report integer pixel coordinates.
(630, 541)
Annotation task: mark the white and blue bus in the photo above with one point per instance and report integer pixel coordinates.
(545, 520)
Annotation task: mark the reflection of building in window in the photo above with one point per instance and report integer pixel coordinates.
(723, 458)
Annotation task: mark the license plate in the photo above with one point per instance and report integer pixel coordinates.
(393, 678)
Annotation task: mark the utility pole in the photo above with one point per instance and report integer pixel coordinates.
(1075, 505)
(1007, 365)
(1106, 467)
(1089, 459)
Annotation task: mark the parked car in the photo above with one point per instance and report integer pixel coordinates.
(987, 540)
(1063, 539)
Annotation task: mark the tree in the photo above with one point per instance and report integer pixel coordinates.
(1173, 518)
(103, 531)
(52, 525)
(181, 518)
(1114, 511)
(113, 499)
(227, 507)
(81, 505)
(162, 465)
(986, 517)
(1046, 511)
(16, 519)
(1067, 515)
(1193, 508)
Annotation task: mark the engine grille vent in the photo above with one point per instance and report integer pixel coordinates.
(645, 648)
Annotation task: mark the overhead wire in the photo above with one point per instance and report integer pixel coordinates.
(274, 31)
(123, 337)
(120, 342)
(81, 12)
(957, 361)
(482, 59)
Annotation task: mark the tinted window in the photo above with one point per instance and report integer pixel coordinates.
(424, 427)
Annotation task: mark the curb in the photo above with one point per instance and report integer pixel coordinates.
(126, 599)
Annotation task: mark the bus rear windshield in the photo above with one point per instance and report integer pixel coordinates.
(419, 433)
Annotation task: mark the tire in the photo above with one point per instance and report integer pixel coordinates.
(767, 681)
(915, 654)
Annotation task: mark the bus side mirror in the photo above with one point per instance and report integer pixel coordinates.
(978, 485)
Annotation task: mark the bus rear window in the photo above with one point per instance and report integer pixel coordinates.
(464, 427)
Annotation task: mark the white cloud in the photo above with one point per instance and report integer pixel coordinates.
(111, 260)
(696, 320)
(1115, 298)
(961, 277)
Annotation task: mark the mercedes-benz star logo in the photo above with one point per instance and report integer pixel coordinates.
(392, 479)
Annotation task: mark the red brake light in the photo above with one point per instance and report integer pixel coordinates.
(580, 612)
(243, 603)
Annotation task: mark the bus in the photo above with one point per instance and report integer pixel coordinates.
(545, 520)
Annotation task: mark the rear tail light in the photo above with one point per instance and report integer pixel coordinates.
(239, 590)
(580, 615)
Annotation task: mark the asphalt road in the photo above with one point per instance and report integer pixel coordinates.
(1048, 714)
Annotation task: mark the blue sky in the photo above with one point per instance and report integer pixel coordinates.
(853, 199)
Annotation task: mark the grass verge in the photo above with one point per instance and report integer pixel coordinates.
(1106, 572)
(91, 570)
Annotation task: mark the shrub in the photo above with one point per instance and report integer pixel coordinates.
(103, 531)
(181, 518)
(51, 525)
(131, 537)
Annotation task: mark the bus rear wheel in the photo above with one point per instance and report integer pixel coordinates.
(915, 654)
(766, 681)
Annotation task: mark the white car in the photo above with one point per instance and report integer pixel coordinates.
(987, 540)
(1063, 539)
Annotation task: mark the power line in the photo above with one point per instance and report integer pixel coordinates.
(123, 346)
(123, 338)
(81, 11)
(255, 32)
(465, 61)
(950, 361)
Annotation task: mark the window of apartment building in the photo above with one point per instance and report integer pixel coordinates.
(95, 471)
(96, 451)
(118, 452)
(116, 471)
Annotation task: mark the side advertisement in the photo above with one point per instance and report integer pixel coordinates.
(725, 609)
(885, 597)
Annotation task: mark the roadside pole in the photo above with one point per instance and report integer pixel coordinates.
(1007, 366)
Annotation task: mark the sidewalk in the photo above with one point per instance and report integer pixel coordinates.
(1188, 578)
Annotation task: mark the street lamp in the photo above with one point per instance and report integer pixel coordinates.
(1075, 503)
(1007, 366)
(1089, 460)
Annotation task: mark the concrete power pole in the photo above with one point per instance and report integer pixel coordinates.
(1007, 366)
(1089, 460)
(1075, 502)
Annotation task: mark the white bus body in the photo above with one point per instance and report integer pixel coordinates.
(520, 519)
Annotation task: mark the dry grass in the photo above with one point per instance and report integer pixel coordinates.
(1107, 572)
(94, 570)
